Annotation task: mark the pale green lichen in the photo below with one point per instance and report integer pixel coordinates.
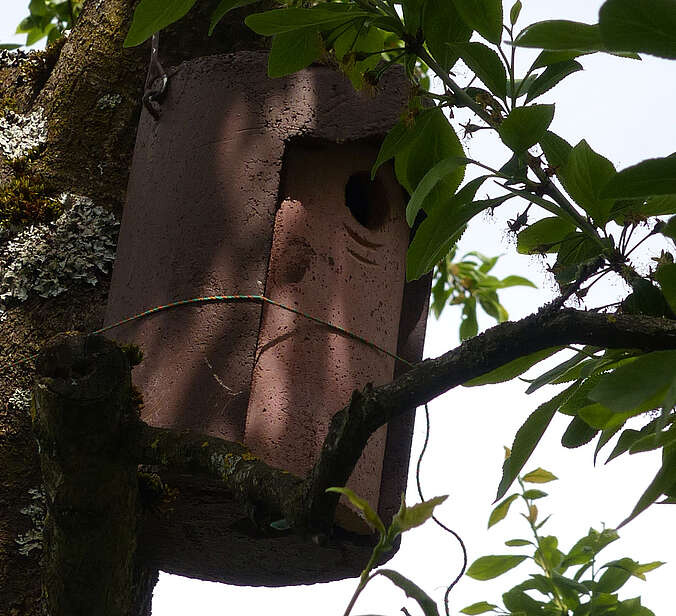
(21, 134)
(108, 101)
(225, 464)
(36, 511)
(44, 260)
(20, 400)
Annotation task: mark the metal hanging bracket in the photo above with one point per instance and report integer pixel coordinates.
(157, 81)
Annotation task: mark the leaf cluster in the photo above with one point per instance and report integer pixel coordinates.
(47, 18)
(604, 389)
(567, 583)
(468, 283)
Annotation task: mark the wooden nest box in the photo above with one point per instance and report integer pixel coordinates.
(255, 186)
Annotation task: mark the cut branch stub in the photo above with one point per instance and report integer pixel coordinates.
(82, 415)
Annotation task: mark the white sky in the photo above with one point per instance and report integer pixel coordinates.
(625, 111)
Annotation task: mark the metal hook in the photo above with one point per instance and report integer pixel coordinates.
(154, 91)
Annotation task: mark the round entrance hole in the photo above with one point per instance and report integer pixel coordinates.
(366, 200)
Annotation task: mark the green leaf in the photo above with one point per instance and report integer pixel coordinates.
(663, 481)
(521, 86)
(362, 504)
(616, 575)
(515, 281)
(545, 235)
(514, 12)
(558, 34)
(574, 588)
(580, 396)
(539, 475)
(279, 21)
(469, 326)
(585, 175)
(485, 64)
(518, 602)
(512, 543)
(534, 494)
(224, 7)
(152, 16)
(37, 7)
(442, 24)
(432, 141)
(501, 510)
(489, 567)
(412, 590)
(548, 57)
(646, 568)
(398, 137)
(550, 77)
(632, 607)
(655, 176)
(658, 206)
(576, 249)
(626, 440)
(478, 608)
(561, 369)
(646, 299)
(669, 230)
(666, 276)
(557, 150)
(512, 369)
(293, 51)
(429, 181)
(637, 26)
(358, 39)
(632, 385)
(589, 546)
(439, 231)
(524, 126)
(578, 433)
(598, 416)
(484, 16)
(527, 438)
(413, 12)
(411, 517)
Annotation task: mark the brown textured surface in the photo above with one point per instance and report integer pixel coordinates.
(200, 217)
(205, 535)
(325, 263)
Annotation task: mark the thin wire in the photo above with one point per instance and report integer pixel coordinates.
(258, 299)
(436, 520)
(261, 299)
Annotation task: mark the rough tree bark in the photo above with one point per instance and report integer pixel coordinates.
(84, 411)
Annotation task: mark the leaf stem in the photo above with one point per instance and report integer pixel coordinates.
(365, 576)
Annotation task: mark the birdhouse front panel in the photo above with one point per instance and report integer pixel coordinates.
(338, 253)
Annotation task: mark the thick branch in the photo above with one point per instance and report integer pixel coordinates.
(261, 487)
(351, 427)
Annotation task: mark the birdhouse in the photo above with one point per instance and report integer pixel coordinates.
(254, 186)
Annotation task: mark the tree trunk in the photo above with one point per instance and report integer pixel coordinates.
(90, 89)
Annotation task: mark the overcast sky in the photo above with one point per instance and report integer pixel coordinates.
(625, 111)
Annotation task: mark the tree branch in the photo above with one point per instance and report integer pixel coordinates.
(351, 427)
(260, 487)
(304, 504)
